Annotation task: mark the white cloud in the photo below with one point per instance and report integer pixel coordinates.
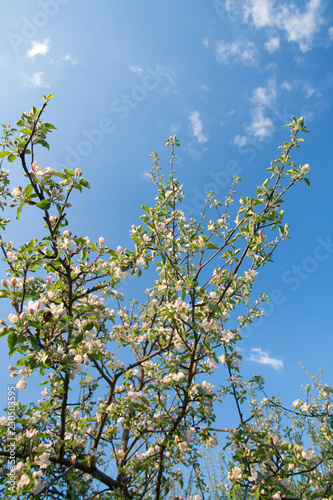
(330, 32)
(264, 96)
(300, 61)
(205, 42)
(197, 127)
(36, 80)
(194, 152)
(273, 44)
(240, 140)
(299, 25)
(39, 48)
(300, 84)
(174, 128)
(136, 69)
(241, 50)
(261, 126)
(308, 90)
(287, 86)
(68, 58)
(263, 358)
(271, 67)
(261, 12)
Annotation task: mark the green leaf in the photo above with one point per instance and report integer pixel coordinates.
(257, 493)
(12, 341)
(49, 126)
(11, 157)
(68, 172)
(44, 143)
(28, 189)
(307, 181)
(47, 98)
(84, 183)
(44, 204)
(4, 153)
(34, 343)
(19, 209)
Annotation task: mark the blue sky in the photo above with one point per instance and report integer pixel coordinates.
(225, 76)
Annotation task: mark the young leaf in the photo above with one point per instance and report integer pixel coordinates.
(12, 341)
(11, 157)
(44, 204)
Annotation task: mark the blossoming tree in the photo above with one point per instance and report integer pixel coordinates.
(119, 425)
(276, 452)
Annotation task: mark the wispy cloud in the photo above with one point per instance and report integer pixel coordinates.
(298, 25)
(136, 69)
(287, 86)
(261, 126)
(303, 85)
(242, 50)
(263, 358)
(204, 87)
(301, 27)
(197, 127)
(308, 90)
(37, 80)
(273, 44)
(205, 42)
(262, 98)
(240, 140)
(68, 58)
(145, 174)
(39, 48)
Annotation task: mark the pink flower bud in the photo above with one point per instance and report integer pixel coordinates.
(78, 172)
(11, 367)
